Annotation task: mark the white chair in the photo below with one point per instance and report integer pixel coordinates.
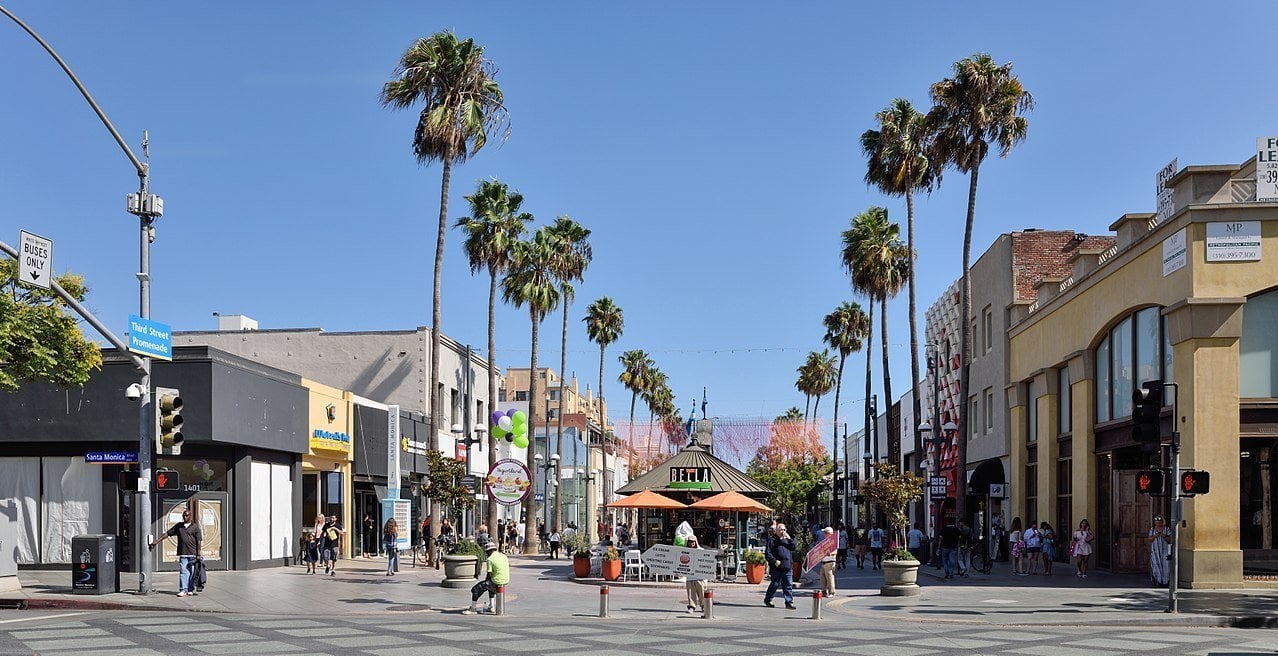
(633, 562)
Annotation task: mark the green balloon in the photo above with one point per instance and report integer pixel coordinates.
(519, 418)
(498, 432)
(521, 441)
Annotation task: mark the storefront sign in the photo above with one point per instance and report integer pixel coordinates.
(1267, 169)
(690, 478)
(322, 440)
(392, 452)
(998, 490)
(413, 447)
(1163, 195)
(111, 457)
(669, 560)
(1233, 241)
(508, 482)
(938, 485)
(1174, 252)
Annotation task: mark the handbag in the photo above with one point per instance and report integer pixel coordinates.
(1071, 548)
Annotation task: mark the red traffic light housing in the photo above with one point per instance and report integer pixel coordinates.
(166, 480)
(1146, 412)
(1195, 482)
(1150, 482)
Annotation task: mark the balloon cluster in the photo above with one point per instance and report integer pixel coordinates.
(511, 425)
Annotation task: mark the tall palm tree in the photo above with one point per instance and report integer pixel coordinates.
(604, 323)
(804, 384)
(494, 225)
(531, 282)
(569, 260)
(983, 104)
(899, 156)
(791, 414)
(655, 395)
(821, 369)
(845, 327)
(461, 103)
(635, 365)
(878, 263)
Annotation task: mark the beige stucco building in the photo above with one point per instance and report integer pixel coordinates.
(1189, 299)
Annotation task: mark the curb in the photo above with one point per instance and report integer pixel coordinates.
(1173, 620)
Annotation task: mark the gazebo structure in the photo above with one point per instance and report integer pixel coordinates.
(695, 474)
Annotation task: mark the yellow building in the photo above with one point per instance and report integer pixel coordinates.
(326, 467)
(1189, 297)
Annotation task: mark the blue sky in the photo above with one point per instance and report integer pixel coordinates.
(712, 149)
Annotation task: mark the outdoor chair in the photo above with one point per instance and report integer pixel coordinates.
(633, 562)
(728, 566)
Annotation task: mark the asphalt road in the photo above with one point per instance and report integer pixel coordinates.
(99, 633)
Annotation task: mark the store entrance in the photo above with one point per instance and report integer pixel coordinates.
(209, 509)
(1258, 514)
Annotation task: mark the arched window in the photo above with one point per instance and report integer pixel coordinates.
(1257, 350)
(1136, 350)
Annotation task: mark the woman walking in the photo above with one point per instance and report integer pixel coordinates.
(1082, 546)
(1160, 538)
(1048, 536)
(554, 545)
(390, 544)
(1016, 539)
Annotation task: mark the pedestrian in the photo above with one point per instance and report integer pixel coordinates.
(1081, 546)
(369, 546)
(390, 543)
(876, 545)
(1033, 547)
(501, 535)
(1016, 541)
(965, 547)
(1160, 542)
(189, 537)
(554, 545)
(696, 589)
(331, 544)
(498, 568)
(841, 559)
(781, 561)
(318, 529)
(827, 568)
(862, 547)
(950, 536)
(914, 542)
(512, 538)
(519, 535)
(1049, 546)
(311, 554)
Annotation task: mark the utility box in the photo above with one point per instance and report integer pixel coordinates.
(93, 564)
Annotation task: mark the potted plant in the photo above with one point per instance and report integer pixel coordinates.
(611, 564)
(755, 564)
(893, 491)
(461, 564)
(579, 545)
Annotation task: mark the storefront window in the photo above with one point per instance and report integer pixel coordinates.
(197, 474)
(1135, 351)
(1065, 404)
(1031, 413)
(1120, 352)
(1102, 381)
(1148, 346)
(1258, 357)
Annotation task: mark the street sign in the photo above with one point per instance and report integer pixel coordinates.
(938, 484)
(667, 559)
(150, 338)
(111, 457)
(470, 482)
(35, 259)
(998, 490)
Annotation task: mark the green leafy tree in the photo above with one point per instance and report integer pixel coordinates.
(461, 104)
(444, 482)
(604, 323)
(893, 491)
(982, 105)
(792, 464)
(899, 156)
(494, 225)
(570, 255)
(40, 336)
(531, 282)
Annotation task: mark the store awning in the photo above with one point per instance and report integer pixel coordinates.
(647, 499)
(731, 500)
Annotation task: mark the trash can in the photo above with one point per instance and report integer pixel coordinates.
(93, 564)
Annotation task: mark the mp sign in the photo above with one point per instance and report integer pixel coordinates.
(1267, 169)
(35, 259)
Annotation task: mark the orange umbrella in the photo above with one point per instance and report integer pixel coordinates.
(647, 499)
(731, 500)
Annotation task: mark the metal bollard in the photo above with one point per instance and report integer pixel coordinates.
(603, 601)
(707, 605)
(816, 605)
(499, 601)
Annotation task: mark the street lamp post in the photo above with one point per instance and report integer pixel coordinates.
(589, 480)
(548, 483)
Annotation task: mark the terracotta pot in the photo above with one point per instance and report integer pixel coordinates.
(797, 569)
(581, 567)
(754, 572)
(611, 569)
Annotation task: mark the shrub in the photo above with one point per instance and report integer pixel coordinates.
(898, 553)
(611, 553)
(755, 557)
(466, 547)
(578, 545)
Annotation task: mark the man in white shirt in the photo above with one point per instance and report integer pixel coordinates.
(876, 545)
(915, 543)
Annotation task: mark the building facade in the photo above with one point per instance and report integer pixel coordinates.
(1189, 299)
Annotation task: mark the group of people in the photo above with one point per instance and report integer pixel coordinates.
(323, 545)
(1033, 544)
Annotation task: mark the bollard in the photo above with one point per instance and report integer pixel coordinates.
(603, 601)
(816, 605)
(499, 601)
(707, 605)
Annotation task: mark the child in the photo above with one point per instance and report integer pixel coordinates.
(311, 556)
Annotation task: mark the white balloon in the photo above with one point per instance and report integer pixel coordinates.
(505, 423)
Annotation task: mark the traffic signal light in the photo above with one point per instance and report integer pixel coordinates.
(1195, 482)
(1148, 407)
(166, 480)
(168, 419)
(1150, 482)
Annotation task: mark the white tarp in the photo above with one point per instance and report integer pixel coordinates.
(281, 511)
(20, 481)
(71, 505)
(260, 502)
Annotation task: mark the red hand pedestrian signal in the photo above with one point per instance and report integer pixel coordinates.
(1195, 482)
(1149, 482)
(166, 480)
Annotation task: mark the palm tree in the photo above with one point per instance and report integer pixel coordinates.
(899, 163)
(635, 365)
(821, 366)
(845, 327)
(656, 394)
(462, 103)
(878, 263)
(982, 105)
(791, 414)
(604, 323)
(531, 282)
(494, 225)
(569, 259)
(804, 384)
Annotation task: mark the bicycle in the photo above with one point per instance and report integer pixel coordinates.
(443, 545)
(420, 553)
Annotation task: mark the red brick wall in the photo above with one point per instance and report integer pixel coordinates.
(1042, 254)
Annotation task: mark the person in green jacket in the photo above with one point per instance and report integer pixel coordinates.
(498, 574)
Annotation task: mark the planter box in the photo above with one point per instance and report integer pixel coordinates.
(460, 571)
(580, 567)
(611, 569)
(754, 572)
(900, 578)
